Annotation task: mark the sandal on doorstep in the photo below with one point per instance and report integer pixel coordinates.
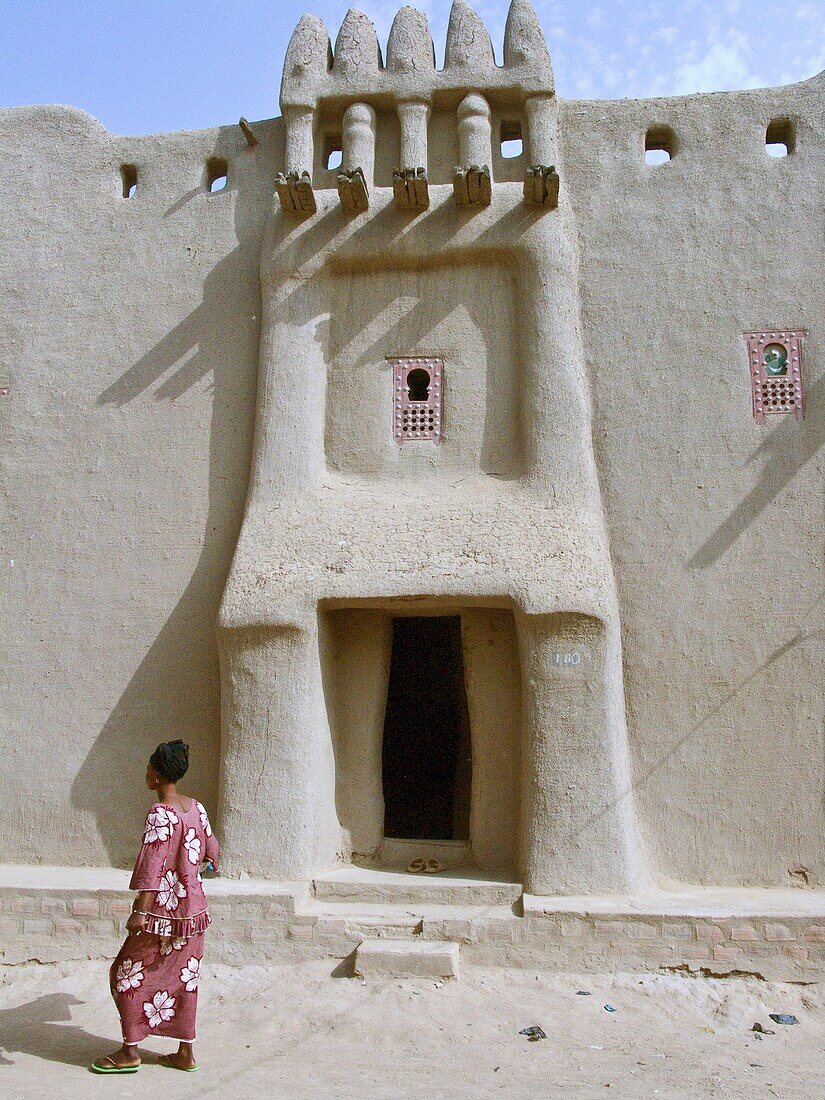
(101, 1066)
(432, 867)
(164, 1061)
(416, 865)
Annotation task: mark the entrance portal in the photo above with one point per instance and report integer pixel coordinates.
(427, 753)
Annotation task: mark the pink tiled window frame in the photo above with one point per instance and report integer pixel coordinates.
(778, 393)
(411, 419)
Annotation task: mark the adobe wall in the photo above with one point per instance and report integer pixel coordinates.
(130, 342)
(130, 331)
(715, 522)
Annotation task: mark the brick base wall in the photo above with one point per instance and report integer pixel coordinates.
(255, 924)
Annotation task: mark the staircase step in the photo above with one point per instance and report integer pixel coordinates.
(368, 886)
(383, 958)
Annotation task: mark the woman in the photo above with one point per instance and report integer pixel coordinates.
(154, 979)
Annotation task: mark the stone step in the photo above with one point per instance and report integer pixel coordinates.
(369, 886)
(396, 853)
(459, 923)
(384, 958)
(388, 921)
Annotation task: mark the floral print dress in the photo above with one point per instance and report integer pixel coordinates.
(154, 979)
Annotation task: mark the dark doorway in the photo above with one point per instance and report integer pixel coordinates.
(427, 763)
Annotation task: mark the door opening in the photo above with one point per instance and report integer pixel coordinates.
(427, 752)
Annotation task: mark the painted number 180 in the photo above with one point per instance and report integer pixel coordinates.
(567, 659)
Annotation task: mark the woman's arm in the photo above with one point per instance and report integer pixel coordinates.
(213, 850)
(161, 822)
(137, 919)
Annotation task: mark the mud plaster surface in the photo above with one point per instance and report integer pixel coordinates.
(133, 330)
(295, 1030)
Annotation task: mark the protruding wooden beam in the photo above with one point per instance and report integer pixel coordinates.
(541, 186)
(411, 189)
(295, 193)
(472, 186)
(248, 132)
(352, 191)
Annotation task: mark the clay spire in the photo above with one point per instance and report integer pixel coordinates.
(410, 45)
(468, 43)
(308, 55)
(524, 42)
(356, 48)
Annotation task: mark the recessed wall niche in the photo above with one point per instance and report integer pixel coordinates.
(465, 315)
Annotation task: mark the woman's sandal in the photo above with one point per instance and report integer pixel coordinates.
(101, 1067)
(163, 1061)
(416, 865)
(432, 867)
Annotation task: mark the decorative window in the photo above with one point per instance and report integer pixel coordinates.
(775, 365)
(417, 399)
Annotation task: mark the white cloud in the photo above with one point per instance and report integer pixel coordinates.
(584, 86)
(805, 66)
(723, 67)
(664, 49)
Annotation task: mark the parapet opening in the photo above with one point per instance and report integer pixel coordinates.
(128, 179)
(512, 140)
(216, 172)
(660, 145)
(333, 152)
(780, 138)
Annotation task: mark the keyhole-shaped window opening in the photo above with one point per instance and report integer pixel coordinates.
(775, 358)
(418, 385)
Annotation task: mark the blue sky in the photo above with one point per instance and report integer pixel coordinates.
(145, 65)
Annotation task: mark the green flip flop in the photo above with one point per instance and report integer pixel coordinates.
(96, 1067)
(168, 1065)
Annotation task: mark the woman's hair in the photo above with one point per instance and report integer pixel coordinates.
(171, 760)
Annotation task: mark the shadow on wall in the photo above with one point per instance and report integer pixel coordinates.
(175, 691)
(367, 326)
(784, 451)
(702, 727)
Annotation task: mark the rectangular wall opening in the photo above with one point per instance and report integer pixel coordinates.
(427, 764)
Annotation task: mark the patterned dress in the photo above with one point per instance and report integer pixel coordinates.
(154, 979)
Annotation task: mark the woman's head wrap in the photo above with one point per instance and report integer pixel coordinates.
(171, 760)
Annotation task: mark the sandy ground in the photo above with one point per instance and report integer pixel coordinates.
(300, 1031)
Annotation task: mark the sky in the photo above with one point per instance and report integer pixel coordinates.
(145, 66)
